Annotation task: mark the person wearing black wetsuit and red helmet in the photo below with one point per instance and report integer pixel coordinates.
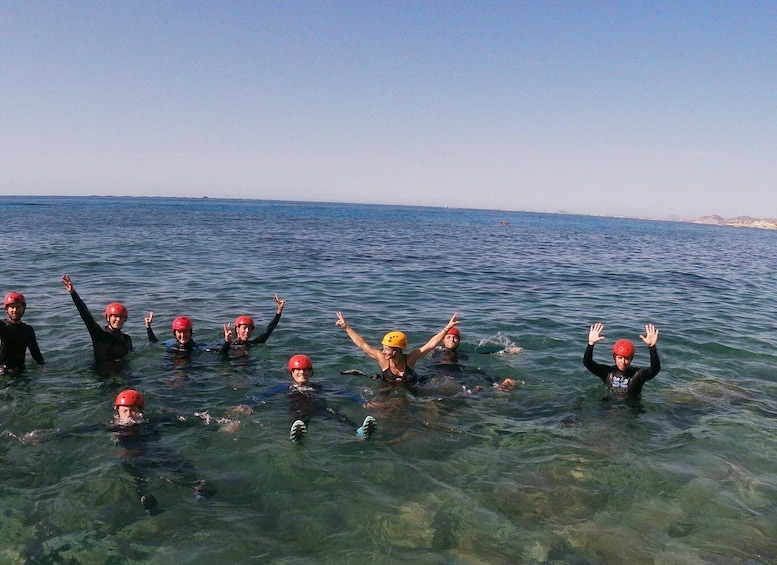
(622, 379)
(241, 340)
(110, 343)
(16, 337)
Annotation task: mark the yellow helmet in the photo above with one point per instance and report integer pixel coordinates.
(395, 339)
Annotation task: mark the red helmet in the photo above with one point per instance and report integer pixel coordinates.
(453, 331)
(129, 397)
(182, 323)
(624, 348)
(244, 321)
(116, 309)
(300, 362)
(14, 298)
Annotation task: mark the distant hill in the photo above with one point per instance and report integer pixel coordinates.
(739, 222)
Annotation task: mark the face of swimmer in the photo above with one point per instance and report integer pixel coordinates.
(183, 336)
(622, 362)
(115, 322)
(15, 311)
(301, 376)
(244, 332)
(451, 342)
(390, 353)
(128, 415)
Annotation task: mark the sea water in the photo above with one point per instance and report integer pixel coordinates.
(548, 472)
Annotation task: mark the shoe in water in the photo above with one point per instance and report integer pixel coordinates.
(150, 503)
(368, 428)
(298, 430)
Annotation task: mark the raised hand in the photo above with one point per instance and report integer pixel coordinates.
(651, 335)
(595, 333)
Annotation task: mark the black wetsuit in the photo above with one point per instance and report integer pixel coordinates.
(143, 455)
(174, 346)
(623, 384)
(15, 339)
(410, 377)
(109, 344)
(305, 401)
(242, 345)
(445, 356)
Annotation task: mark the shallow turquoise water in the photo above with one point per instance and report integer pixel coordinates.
(547, 473)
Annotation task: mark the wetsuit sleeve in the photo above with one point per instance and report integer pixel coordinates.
(224, 349)
(255, 399)
(645, 375)
(597, 369)
(349, 395)
(655, 363)
(34, 349)
(267, 331)
(91, 324)
(151, 336)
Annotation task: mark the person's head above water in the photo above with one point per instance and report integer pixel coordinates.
(300, 368)
(128, 405)
(182, 329)
(452, 339)
(244, 326)
(116, 314)
(623, 353)
(15, 304)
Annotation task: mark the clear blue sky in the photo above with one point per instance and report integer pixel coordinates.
(619, 108)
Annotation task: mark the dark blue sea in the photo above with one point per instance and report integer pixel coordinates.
(549, 472)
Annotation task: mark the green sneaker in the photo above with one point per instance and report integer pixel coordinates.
(368, 428)
(298, 430)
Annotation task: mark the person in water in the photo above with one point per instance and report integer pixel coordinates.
(241, 340)
(134, 436)
(182, 343)
(16, 337)
(447, 356)
(396, 367)
(109, 343)
(305, 401)
(622, 379)
(142, 453)
(448, 351)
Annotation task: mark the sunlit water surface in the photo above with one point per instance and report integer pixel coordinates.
(546, 473)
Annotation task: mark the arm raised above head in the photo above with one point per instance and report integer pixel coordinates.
(436, 339)
(358, 340)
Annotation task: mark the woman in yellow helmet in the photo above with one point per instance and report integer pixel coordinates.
(395, 366)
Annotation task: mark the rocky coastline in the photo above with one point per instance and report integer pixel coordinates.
(739, 222)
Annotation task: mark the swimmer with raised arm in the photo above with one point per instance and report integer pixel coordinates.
(241, 340)
(396, 367)
(182, 343)
(109, 343)
(622, 379)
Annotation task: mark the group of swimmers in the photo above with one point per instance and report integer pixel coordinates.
(397, 367)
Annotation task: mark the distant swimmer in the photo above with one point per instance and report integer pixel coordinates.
(396, 367)
(16, 337)
(241, 340)
(109, 343)
(622, 379)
